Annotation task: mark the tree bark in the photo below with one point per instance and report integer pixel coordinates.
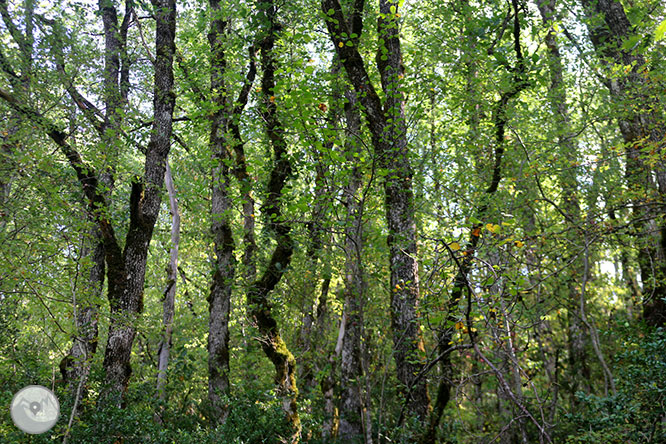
(387, 125)
(643, 132)
(219, 299)
(353, 426)
(579, 371)
(460, 284)
(169, 303)
(259, 306)
(75, 366)
(126, 269)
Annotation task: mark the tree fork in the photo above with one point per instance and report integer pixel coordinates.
(387, 125)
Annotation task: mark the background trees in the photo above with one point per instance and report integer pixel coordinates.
(440, 222)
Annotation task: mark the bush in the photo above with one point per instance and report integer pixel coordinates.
(636, 413)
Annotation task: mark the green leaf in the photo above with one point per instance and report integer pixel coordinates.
(631, 42)
(660, 32)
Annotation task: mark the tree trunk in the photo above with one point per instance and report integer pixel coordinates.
(352, 400)
(460, 286)
(643, 131)
(219, 299)
(126, 269)
(169, 303)
(75, 366)
(579, 371)
(387, 126)
(259, 306)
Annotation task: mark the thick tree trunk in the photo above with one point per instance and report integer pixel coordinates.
(389, 137)
(126, 269)
(642, 130)
(219, 299)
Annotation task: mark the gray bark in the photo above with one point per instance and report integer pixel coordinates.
(259, 305)
(579, 371)
(219, 299)
(169, 303)
(353, 427)
(126, 269)
(386, 122)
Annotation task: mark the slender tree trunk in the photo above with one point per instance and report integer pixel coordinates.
(312, 326)
(224, 266)
(169, 303)
(352, 399)
(75, 365)
(460, 286)
(20, 81)
(579, 370)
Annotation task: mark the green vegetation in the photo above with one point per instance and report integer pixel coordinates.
(381, 222)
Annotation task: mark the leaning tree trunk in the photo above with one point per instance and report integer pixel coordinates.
(642, 130)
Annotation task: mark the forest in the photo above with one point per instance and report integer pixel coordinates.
(335, 221)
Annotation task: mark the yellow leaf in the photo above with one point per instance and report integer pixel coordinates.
(272, 99)
(341, 44)
(519, 244)
(455, 246)
(493, 228)
(459, 325)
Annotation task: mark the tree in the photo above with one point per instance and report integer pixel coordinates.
(474, 215)
(386, 121)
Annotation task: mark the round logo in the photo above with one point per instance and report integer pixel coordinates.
(35, 409)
